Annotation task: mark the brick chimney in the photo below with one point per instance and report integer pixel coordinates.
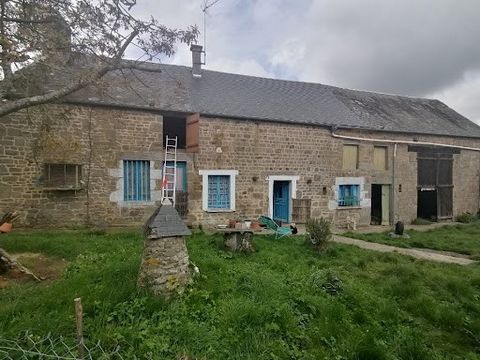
(196, 60)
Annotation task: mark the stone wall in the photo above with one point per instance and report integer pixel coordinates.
(100, 138)
(164, 267)
(261, 149)
(97, 138)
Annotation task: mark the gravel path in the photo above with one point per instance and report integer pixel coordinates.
(423, 254)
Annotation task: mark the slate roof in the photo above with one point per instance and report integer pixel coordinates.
(165, 222)
(173, 88)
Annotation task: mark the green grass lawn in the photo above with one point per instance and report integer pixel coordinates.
(460, 238)
(283, 302)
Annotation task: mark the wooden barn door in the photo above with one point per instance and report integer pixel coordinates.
(435, 184)
(445, 186)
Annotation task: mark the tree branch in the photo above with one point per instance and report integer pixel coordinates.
(29, 21)
(77, 84)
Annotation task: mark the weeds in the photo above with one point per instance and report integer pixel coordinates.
(466, 218)
(274, 304)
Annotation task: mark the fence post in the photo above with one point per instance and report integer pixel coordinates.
(79, 323)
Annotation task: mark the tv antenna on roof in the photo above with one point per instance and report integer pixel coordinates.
(207, 4)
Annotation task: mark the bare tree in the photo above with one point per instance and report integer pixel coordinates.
(39, 37)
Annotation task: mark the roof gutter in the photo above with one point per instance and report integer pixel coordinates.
(408, 142)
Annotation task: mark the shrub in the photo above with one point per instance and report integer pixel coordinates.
(466, 218)
(318, 233)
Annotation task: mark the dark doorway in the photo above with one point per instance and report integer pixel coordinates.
(380, 204)
(175, 126)
(427, 205)
(435, 183)
(376, 209)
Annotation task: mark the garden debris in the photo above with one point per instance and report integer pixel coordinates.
(9, 265)
(6, 221)
(328, 281)
(9, 217)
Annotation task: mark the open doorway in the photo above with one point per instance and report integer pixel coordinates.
(380, 204)
(175, 127)
(427, 204)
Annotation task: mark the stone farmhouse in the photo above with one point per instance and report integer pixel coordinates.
(248, 146)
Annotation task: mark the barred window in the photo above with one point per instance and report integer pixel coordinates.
(136, 180)
(63, 176)
(349, 195)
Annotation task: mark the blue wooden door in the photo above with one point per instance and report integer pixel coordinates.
(281, 200)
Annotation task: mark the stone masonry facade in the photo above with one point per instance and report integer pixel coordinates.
(259, 150)
(100, 138)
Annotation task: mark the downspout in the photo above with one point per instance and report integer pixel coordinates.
(394, 190)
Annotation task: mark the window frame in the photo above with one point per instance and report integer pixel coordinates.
(147, 182)
(49, 184)
(205, 174)
(341, 199)
(357, 147)
(386, 167)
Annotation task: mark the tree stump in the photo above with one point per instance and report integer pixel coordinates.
(238, 240)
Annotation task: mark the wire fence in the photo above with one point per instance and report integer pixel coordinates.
(31, 347)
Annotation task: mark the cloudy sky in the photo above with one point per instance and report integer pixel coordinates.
(426, 48)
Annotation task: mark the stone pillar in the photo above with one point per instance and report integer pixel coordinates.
(165, 263)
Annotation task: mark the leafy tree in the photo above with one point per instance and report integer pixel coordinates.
(39, 37)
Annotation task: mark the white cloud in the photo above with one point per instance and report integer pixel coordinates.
(463, 96)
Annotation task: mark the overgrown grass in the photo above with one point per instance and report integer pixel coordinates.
(285, 301)
(460, 238)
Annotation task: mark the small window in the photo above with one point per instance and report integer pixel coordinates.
(218, 190)
(349, 195)
(350, 157)
(380, 160)
(136, 180)
(63, 176)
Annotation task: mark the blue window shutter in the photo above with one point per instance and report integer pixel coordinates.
(136, 180)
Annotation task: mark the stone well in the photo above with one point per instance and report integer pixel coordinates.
(165, 264)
